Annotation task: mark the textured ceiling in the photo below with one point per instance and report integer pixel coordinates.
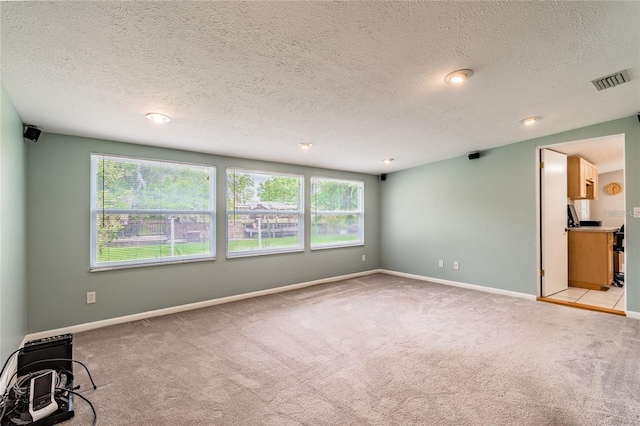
(606, 153)
(362, 81)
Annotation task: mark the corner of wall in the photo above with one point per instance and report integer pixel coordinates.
(13, 274)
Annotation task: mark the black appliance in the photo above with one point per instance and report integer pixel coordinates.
(53, 353)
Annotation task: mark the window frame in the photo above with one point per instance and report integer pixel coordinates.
(300, 212)
(94, 211)
(360, 212)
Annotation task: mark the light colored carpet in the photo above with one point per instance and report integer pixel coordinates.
(379, 350)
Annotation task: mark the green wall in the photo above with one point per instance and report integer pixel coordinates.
(13, 232)
(58, 242)
(482, 214)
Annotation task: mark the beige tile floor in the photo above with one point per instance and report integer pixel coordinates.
(612, 298)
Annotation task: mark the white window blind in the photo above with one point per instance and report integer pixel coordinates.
(264, 212)
(337, 212)
(150, 211)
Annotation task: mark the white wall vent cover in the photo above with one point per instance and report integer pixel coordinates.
(611, 80)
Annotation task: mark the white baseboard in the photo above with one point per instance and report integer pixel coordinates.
(630, 314)
(13, 364)
(197, 305)
(463, 285)
(633, 315)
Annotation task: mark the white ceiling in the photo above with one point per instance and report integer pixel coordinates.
(362, 81)
(606, 153)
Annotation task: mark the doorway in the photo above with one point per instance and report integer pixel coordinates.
(596, 247)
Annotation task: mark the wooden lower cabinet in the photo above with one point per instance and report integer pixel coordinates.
(590, 259)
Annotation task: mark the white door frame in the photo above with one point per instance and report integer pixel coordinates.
(536, 165)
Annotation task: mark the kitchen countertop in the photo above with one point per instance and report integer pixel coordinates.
(595, 229)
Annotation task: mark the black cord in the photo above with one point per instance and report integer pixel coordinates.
(3, 398)
(56, 359)
(95, 415)
(63, 392)
(7, 362)
(4, 407)
(6, 393)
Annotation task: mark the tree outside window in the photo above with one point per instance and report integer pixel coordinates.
(337, 215)
(264, 212)
(150, 211)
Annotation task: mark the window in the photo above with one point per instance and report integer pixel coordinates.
(264, 212)
(583, 209)
(337, 213)
(146, 211)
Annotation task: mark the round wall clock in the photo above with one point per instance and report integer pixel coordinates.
(613, 188)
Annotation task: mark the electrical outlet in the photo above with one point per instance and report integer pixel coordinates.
(364, 257)
(456, 265)
(91, 297)
(636, 212)
(441, 263)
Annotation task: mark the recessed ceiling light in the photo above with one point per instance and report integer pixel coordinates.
(530, 120)
(305, 145)
(156, 117)
(457, 77)
(387, 160)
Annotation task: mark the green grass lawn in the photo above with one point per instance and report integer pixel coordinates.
(252, 244)
(121, 254)
(327, 239)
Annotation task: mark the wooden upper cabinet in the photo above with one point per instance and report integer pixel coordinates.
(582, 179)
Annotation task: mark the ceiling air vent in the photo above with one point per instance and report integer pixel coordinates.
(611, 80)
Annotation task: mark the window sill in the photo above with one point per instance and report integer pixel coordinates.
(262, 253)
(145, 265)
(358, 244)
